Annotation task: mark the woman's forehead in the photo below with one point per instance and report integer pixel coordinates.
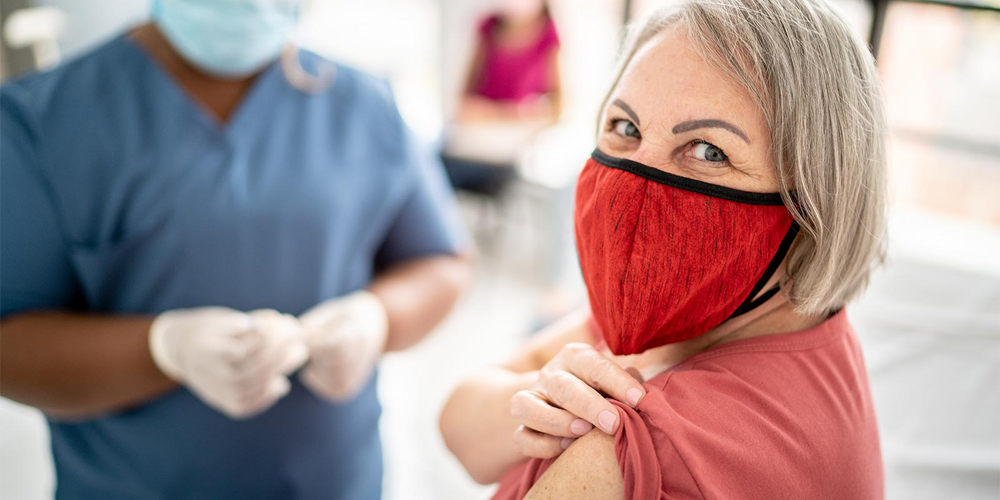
(668, 80)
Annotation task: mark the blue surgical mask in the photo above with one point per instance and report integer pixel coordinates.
(227, 38)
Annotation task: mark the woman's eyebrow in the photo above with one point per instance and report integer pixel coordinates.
(696, 124)
(627, 109)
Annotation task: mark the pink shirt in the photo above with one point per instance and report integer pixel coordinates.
(785, 416)
(514, 74)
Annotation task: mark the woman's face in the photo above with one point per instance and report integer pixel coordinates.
(675, 112)
(521, 9)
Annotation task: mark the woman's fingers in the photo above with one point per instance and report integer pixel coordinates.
(568, 392)
(603, 374)
(535, 444)
(531, 410)
(566, 403)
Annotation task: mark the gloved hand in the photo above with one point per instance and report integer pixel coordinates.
(235, 362)
(346, 336)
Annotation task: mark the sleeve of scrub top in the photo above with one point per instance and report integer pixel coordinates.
(427, 223)
(35, 270)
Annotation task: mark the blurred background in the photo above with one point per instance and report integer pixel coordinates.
(930, 323)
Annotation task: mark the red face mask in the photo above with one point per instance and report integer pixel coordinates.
(667, 258)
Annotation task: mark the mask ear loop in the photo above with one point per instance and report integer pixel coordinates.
(751, 303)
(297, 75)
(303, 80)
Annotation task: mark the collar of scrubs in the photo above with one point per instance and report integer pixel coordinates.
(250, 108)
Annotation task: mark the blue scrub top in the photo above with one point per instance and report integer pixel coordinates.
(121, 195)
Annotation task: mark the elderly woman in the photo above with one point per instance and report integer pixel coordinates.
(734, 205)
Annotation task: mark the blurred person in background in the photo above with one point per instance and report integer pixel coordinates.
(512, 89)
(163, 198)
(514, 73)
(734, 205)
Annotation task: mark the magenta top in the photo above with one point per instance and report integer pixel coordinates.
(514, 74)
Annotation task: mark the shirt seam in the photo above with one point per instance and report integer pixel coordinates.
(770, 347)
(789, 346)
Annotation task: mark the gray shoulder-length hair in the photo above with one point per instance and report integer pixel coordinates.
(818, 88)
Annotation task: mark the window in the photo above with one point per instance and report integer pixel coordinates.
(942, 86)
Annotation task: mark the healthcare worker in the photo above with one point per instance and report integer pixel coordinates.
(162, 198)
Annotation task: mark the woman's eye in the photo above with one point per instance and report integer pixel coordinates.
(707, 152)
(625, 128)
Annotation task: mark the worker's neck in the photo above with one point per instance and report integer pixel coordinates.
(220, 96)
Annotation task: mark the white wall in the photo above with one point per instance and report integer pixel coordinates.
(91, 22)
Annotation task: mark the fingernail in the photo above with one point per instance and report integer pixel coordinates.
(580, 427)
(633, 396)
(607, 421)
(566, 442)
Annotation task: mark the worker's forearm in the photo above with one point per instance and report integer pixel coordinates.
(477, 426)
(417, 295)
(73, 365)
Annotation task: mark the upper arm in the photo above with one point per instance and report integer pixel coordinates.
(587, 470)
(555, 73)
(427, 222)
(475, 68)
(36, 269)
(555, 83)
(630, 464)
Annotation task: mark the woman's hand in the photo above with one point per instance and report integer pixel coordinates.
(564, 403)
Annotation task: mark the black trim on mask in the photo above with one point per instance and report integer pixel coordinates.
(686, 183)
(750, 303)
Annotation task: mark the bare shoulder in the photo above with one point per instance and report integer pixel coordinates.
(587, 470)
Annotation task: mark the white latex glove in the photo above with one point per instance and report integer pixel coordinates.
(235, 362)
(345, 336)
